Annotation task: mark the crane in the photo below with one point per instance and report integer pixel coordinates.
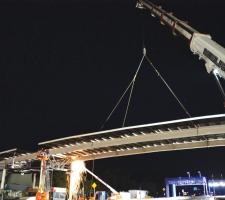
(200, 44)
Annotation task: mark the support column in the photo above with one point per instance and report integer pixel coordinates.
(42, 176)
(167, 188)
(42, 194)
(3, 179)
(174, 190)
(34, 181)
(206, 189)
(70, 183)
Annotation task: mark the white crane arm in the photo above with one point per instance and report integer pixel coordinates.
(201, 44)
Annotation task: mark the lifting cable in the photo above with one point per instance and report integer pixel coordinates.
(169, 88)
(132, 87)
(120, 99)
(219, 85)
(160, 76)
(131, 84)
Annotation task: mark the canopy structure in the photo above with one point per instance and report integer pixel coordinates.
(197, 132)
(12, 155)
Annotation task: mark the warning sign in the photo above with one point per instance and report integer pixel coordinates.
(94, 185)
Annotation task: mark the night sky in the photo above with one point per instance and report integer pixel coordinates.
(64, 64)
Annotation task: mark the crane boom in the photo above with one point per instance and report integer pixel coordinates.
(200, 44)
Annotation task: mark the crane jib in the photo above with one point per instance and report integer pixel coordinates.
(214, 59)
(201, 44)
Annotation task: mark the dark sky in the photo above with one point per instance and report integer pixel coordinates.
(64, 64)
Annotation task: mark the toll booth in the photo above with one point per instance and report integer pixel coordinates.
(186, 186)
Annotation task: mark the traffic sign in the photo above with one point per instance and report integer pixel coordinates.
(94, 185)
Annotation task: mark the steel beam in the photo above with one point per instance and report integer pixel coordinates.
(159, 148)
(26, 157)
(148, 137)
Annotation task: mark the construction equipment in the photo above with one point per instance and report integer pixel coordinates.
(42, 193)
(200, 44)
(103, 182)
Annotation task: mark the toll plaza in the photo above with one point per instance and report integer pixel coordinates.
(186, 186)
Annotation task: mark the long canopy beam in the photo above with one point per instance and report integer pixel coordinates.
(198, 132)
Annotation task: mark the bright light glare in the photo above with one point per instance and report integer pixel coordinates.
(215, 71)
(31, 198)
(217, 184)
(77, 171)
